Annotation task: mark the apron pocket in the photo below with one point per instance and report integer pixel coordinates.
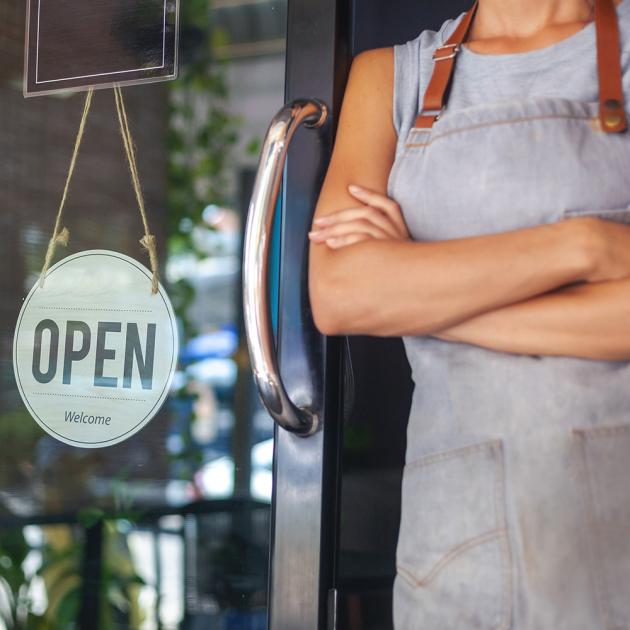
(454, 569)
(605, 459)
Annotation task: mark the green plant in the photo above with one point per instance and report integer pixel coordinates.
(202, 134)
(119, 583)
(15, 603)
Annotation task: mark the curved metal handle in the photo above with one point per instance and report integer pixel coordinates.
(312, 113)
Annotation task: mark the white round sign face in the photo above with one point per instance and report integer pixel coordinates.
(94, 350)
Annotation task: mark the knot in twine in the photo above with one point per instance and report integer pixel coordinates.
(57, 239)
(150, 244)
(61, 235)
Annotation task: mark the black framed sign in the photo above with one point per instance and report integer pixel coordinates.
(77, 44)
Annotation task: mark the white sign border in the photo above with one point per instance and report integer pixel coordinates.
(100, 74)
(156, 407)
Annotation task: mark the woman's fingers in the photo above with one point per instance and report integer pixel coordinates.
(346, 228)
(379, 218)
(366, 213)
(377, 200)
(342, 241)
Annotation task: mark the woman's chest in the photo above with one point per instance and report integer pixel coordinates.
(496, 168)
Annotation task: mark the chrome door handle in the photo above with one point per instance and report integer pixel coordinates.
(260, 215)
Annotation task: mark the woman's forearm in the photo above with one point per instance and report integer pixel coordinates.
(589, 320)
(389, 288)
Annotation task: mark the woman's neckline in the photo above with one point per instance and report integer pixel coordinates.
(564, 44)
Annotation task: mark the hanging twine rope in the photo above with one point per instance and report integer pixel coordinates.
(61, 235)
(148, 240)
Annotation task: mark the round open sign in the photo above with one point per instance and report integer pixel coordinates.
(94, 350)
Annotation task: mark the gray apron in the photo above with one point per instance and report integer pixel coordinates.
(516, 488)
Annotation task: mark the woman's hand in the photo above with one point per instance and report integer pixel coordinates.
(379, 217)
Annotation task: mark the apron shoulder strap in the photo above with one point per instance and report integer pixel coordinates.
(612, 116)
(444, 64)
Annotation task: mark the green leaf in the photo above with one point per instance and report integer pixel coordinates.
(89, 516)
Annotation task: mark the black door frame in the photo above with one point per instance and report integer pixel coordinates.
(303, 547)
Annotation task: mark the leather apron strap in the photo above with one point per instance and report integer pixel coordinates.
(612, 115)
(443, 66)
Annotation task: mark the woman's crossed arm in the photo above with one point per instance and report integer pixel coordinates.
(588, 320)
(591, 321)
(395, 286)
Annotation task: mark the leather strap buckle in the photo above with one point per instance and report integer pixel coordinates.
(450, 49)
(434, 113)
(612, 115)
(426, 118)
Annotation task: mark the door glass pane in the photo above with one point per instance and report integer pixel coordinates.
(169, 528)
(372, 460)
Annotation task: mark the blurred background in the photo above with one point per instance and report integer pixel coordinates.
(170, 528)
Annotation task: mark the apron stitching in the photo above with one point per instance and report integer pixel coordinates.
(496, 123)
(449, 557)
(391, 180)
(600, 588)
(425, 460)
(595, 432)
(506, 560)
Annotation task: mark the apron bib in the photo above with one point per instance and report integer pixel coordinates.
(516, 507)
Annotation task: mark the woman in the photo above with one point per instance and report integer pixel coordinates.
(491, 237)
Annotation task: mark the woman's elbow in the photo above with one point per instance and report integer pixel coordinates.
(338, 308)
(324, 306)
(325, 323)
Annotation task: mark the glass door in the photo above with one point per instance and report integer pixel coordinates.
(170, 528)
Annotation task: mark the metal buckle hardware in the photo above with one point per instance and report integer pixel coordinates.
(454, 50)
(432, 112)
